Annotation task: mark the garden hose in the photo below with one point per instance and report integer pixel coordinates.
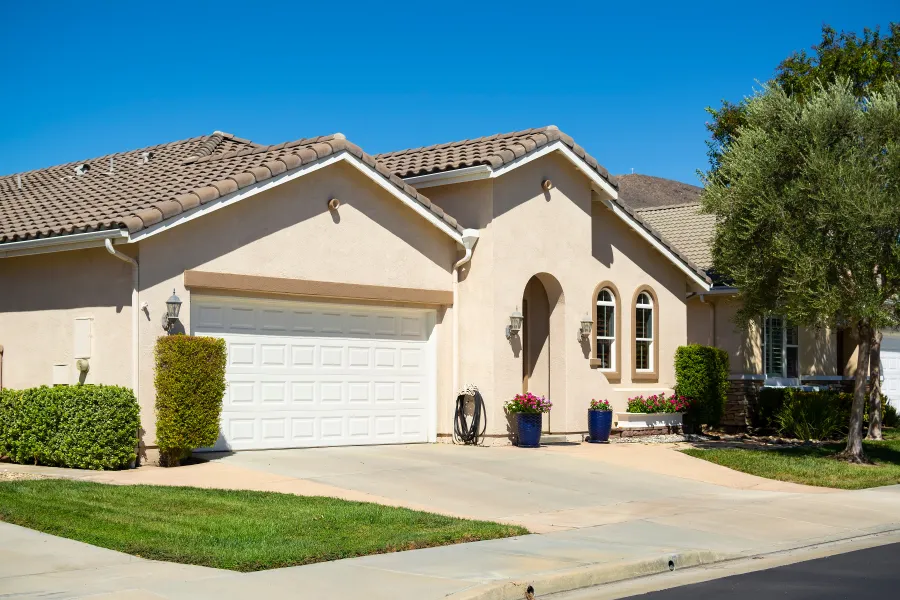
(463, 430)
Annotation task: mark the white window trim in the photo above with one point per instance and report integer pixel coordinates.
(637, 305)
(780, 379)
(612, 339)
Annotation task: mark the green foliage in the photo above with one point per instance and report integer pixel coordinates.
(807, 206)
(889, 416)
(80, 426)
(190, 384)
(769, 401)
(701, 374)
(814, 415)
(658, 403)
(868, 62)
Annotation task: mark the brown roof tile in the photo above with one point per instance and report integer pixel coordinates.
(687, 228)
(139, 192)
(494, 150)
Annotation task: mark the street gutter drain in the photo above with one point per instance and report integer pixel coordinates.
(671, 565)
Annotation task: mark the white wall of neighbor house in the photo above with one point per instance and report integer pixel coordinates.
(288, 232)
(58, 307)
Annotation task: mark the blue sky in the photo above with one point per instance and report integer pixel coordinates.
(628, 81)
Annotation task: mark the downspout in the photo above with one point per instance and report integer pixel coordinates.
(135, 321)
(469, 239)
(712, 319)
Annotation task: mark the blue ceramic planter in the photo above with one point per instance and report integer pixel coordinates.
(529, 429)
(599, 425)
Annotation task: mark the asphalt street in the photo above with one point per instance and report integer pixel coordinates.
(873, 572)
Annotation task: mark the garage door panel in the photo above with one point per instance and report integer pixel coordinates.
(305, 375)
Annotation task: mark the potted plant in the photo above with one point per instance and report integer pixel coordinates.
(657, 410)
(528, 409)
(599, 421)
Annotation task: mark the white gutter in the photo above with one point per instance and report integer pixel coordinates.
(447, 177)
(715, 291)
(75, 241)
(469, 239)
(135, 322)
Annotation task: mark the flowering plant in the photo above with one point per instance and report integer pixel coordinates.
(658, 403)
(601, 405)
(528, 403)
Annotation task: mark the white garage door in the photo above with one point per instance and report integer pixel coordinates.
(890, 370)
(302, 374)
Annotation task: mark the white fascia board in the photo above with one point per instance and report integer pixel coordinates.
(62, 243)
(618, 210)
(268, 184)
(448, 177)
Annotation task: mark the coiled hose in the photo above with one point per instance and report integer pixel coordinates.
(465, 431)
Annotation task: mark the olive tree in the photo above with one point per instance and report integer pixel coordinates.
(807, 200)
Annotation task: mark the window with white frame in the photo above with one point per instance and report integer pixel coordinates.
(643, 332)
(606, 329)
(781, 349)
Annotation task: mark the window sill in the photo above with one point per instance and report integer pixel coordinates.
(646, 376)
(612, 375)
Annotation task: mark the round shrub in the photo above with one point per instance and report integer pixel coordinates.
(190, 384)
(79, 426)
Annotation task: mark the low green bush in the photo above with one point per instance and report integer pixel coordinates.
(814, 415)
(768, 403)
(190, 383)
(701, 374)
(79, 426)
(889, 416)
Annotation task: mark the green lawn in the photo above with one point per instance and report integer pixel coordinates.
(238, 530)
(814, 465)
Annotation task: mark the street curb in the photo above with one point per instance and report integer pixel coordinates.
(590, 575)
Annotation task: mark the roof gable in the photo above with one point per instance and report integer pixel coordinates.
(687, 228)
(142, 188)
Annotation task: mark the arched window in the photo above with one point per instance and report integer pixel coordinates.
(605, 350)
(643, 332)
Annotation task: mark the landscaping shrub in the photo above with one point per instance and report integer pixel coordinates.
(814, 415)
(768, 404)
(889, 416)
(190, 383)
(701, 374)
(79, 426)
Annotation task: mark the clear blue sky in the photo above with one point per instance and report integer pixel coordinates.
(629, 80)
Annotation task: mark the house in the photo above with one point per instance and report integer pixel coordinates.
(769, 351)
(358, 293)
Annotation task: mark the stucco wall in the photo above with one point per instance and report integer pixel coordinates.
(572, 242)
(288, 232)
(818, 348)
(40, 298)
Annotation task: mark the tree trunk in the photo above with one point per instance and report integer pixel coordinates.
(854, 450)
(875, 390)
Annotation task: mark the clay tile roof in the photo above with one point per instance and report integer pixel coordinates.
(687, 228)
(148, 185)
(494, 151)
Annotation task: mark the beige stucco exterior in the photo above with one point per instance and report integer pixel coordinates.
(712, 320)
(548, 248)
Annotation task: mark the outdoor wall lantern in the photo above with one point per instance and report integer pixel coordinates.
(173, 307)
(515, 323)
(585, 330)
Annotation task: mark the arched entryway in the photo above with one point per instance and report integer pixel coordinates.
(543, 356)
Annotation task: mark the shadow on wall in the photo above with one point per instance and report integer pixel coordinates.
(226, 230)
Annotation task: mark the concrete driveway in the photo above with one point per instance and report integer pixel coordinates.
(546, 489)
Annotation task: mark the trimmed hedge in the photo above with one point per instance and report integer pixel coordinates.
(701, 374)
(79, 426)
(190, 383)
